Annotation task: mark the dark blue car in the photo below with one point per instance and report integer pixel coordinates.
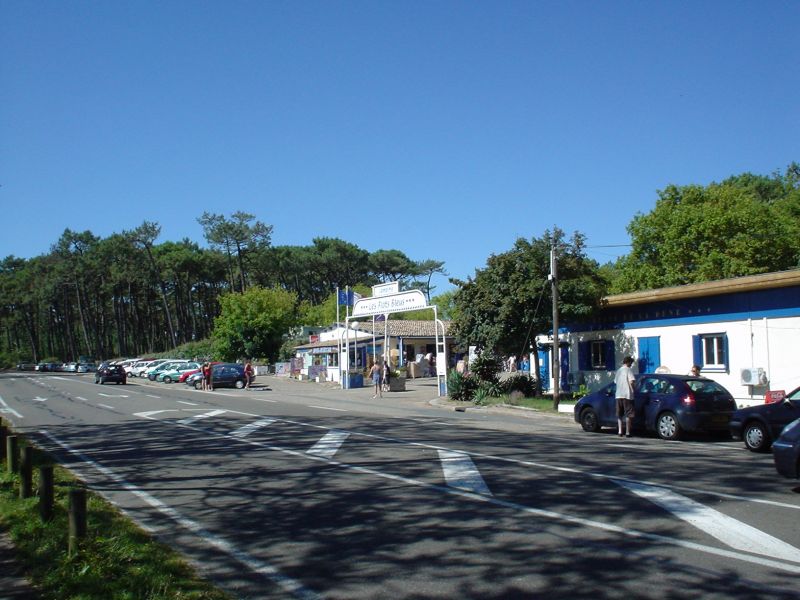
(786, 451)
(666, 404)
(759, 425)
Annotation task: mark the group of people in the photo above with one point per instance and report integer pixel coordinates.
(380, 374)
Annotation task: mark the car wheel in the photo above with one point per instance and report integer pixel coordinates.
(756, 438)
(589, 420)
(239, 384)
(167, 380)
(667, 426)
(198, 385)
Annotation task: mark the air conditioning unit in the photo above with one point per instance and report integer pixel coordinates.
(752, 376)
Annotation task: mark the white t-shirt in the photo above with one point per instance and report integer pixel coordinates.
(624, 382)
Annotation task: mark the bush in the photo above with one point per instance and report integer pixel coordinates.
(486, 367)
(461, 386)
(520, 383)
(486, 390)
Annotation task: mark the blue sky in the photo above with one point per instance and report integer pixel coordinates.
(443, 129)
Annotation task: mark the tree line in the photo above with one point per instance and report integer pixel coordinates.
(128, 295)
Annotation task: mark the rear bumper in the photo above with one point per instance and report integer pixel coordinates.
(705, 421)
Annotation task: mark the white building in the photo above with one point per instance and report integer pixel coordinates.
(744, 333)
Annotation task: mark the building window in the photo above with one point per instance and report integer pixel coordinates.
(598, 350)
(711, 351)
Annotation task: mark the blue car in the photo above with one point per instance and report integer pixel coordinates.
(666, 404)
(786, 451)
(759, 425)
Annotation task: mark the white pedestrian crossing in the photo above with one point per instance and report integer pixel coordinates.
(329, 444)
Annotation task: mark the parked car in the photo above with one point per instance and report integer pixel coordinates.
(759, 425)
(153, 372)
(222, 375)
(786, 451)
(26, 367)
(109, 373)
(70, 367)
(172, 374)
(140, 368)
(85, 368)
(666, 404)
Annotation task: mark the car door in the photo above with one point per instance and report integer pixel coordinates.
(780, 414)
(607, 406)
(651, 393)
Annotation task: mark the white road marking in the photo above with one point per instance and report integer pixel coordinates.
(460, 472)
(526, 510)
(288, 584)
(190, 420)
(727, 530)
(81, 398)
(8, 410)
(327, 408)
(151, 396)
(246, 430)
(39, 399)
(187, 403)
(149, 414)
(106, 406)
(106, 395)
(329, 444)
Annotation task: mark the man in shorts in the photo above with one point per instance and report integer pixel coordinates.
(625, 381)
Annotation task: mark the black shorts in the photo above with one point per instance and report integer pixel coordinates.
(625, 408)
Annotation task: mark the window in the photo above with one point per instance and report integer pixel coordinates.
(596, 355)
(711, 351)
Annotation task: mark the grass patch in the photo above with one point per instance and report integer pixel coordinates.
(117, 559)
(542, 404)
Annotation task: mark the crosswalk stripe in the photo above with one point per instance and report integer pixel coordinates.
(329, 444)
(246, 430)
(460, 472)
(728, 530)
(190, 420)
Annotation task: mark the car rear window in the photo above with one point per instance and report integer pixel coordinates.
(705, 386)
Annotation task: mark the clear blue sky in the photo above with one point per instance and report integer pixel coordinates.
(443, 129)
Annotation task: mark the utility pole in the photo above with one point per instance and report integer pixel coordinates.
(556, 348)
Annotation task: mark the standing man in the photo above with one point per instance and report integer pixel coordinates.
(625, 381)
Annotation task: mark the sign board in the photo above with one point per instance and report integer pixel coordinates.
(775, 396)
(393, 303)
(386, 289)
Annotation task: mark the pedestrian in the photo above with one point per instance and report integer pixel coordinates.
(204, 376)
(625, 381)
(209, 377)
(375, 375)
(387, 375)
(695, 371)
(248, 374)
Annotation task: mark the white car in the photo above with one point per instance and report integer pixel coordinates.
(140, 368)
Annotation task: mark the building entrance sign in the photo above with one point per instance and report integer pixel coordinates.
(392, 303)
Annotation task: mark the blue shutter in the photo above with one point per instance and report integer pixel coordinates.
(611, 363)
(697, 350)
(584, 356)
(725, 346)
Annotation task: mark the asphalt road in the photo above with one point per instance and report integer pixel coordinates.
(299, 490)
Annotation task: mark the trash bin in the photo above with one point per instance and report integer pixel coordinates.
(353, 380)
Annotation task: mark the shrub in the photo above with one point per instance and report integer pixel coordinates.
(461, 386)
(486, 390)
(521, 383)
(486, 367)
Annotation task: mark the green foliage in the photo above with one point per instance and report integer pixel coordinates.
(519, 383)
(580, 392)
(253, 324)
(461, 386)
(201, 350)
(486, 367)
(510, 299)
(487, 390)
(745, 225)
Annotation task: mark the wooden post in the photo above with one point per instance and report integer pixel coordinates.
(12, 455)
(77, 518)
(3, 436)
(26, 473)
(46, 492)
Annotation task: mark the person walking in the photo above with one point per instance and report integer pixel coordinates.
(248, 374)
(375, 375)
(625, 380)
(209, 378)
(387, 374)
(204, 373)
